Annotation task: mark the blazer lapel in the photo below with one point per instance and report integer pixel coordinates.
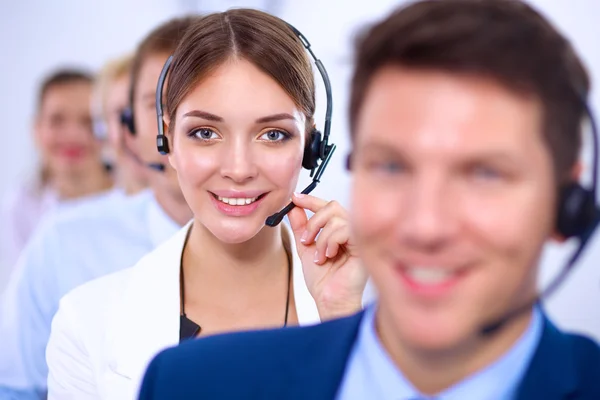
(323, 356)
(552, 372)
(148, 320)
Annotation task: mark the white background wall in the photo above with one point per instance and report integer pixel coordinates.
(38, 35)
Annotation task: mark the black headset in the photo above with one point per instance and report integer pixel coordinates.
(317, 153)
(127, 118)
(577, 207)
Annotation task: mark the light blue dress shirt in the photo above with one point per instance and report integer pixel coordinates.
(71, 247)
(371, 374)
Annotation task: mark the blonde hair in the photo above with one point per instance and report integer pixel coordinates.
(112, 70)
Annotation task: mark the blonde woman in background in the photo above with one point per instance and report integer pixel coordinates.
(111, 98)
(70, 161)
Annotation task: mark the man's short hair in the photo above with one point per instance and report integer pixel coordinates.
(503, 40)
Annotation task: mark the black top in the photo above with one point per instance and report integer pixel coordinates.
(188, 329)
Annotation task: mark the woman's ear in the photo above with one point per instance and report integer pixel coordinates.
(166, 125)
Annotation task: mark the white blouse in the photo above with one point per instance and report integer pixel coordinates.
(108, 330)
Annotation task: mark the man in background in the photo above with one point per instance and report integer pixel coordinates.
(465, 121)
(111, 98)
(94, 239)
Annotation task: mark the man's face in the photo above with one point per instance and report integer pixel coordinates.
(452, 200)
(117, 99)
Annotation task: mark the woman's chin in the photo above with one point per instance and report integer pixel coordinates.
(236, 231)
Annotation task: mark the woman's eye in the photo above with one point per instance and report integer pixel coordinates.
(274, 135)
(204, 134)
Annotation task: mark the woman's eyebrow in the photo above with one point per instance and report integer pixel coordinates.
(212, 117)
(204, 115)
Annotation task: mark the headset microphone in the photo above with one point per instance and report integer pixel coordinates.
(155, 166)
(276, 218)
(128, 121)
(578, 217)
(494, 327)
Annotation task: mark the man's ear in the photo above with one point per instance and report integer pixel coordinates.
(576, 171)
(575, 176)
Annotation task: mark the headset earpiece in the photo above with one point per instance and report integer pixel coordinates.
(312, 151)
(162, 144)
(127, 120)
(576, 210)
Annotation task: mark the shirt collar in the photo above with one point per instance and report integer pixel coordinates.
(497, 381)
(160, 225)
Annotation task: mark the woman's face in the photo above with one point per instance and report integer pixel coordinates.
(63, 129)
(238, 143)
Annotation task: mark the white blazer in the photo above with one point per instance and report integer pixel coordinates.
(108, 330)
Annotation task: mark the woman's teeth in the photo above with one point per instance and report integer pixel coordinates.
(238, 201)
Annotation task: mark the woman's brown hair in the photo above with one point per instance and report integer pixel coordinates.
(255, 36)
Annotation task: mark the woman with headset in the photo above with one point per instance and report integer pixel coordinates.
(70, 165)
(238, 128)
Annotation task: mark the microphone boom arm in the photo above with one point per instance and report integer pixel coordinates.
(276, 218)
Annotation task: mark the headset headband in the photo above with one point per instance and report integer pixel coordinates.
(325, 146)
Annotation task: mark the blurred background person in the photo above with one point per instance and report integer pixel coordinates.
(70, 166)
(66, 32)
(111, 99)
(237, 160)
(466, 123)
(95, 238)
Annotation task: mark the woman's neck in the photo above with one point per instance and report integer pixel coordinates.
(253, 258)
(237, 286)
(432, 372)
(81, 183)
(238, 272)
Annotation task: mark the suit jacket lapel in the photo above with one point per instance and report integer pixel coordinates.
(324, 356)
(552, 372)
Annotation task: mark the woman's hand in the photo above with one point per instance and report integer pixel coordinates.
(334, 275)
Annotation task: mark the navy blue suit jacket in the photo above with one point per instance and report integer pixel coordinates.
(309, 362)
